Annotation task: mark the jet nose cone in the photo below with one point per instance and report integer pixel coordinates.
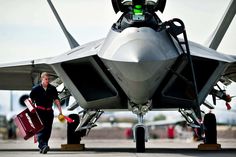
(138, 51)
(137, 45)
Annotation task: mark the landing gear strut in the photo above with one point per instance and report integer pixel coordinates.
(140, 130)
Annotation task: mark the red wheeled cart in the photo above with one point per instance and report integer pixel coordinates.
(28, 123)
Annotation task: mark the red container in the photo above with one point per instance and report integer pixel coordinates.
(28, 123)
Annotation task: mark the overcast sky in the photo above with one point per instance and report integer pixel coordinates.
(28, 29)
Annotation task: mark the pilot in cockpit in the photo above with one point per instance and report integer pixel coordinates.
(136, 13)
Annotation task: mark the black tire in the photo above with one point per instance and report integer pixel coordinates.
(72, 136)
(140, 139)
(22, 99)
(210, 129)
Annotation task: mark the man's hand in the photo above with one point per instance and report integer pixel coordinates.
(61, 117)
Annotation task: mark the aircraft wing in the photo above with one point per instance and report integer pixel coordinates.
(82, 51)
(23, 75)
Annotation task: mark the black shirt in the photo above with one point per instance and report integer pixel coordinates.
(43, 97)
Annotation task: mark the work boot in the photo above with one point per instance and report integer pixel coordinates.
(45, 149)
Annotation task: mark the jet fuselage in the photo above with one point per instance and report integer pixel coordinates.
(138, 59)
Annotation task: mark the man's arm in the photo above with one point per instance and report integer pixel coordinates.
(56, 99)
(57, 102)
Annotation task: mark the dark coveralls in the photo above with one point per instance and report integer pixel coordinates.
(44, 100)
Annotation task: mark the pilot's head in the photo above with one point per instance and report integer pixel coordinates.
(150, 5)
(138, 2)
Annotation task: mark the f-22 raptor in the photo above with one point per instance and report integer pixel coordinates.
(143, 64)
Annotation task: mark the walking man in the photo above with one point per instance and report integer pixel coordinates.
(43, 96)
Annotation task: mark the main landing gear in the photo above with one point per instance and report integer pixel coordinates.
(210, 140)
(210, 129)
(205, 131)
(80, 128)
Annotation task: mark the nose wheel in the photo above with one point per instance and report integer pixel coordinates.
(140, 132)
(140, 139)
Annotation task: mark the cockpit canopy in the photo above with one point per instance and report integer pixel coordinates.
(127, 5)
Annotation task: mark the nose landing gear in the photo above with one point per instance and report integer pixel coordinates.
(140, 131)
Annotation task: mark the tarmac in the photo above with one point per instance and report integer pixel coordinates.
(118, 148)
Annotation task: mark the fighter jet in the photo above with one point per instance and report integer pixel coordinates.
(143, 64)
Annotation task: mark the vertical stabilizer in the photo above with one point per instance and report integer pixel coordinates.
(73, 43)
(217, 36)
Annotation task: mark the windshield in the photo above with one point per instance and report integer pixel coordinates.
(147, 2)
